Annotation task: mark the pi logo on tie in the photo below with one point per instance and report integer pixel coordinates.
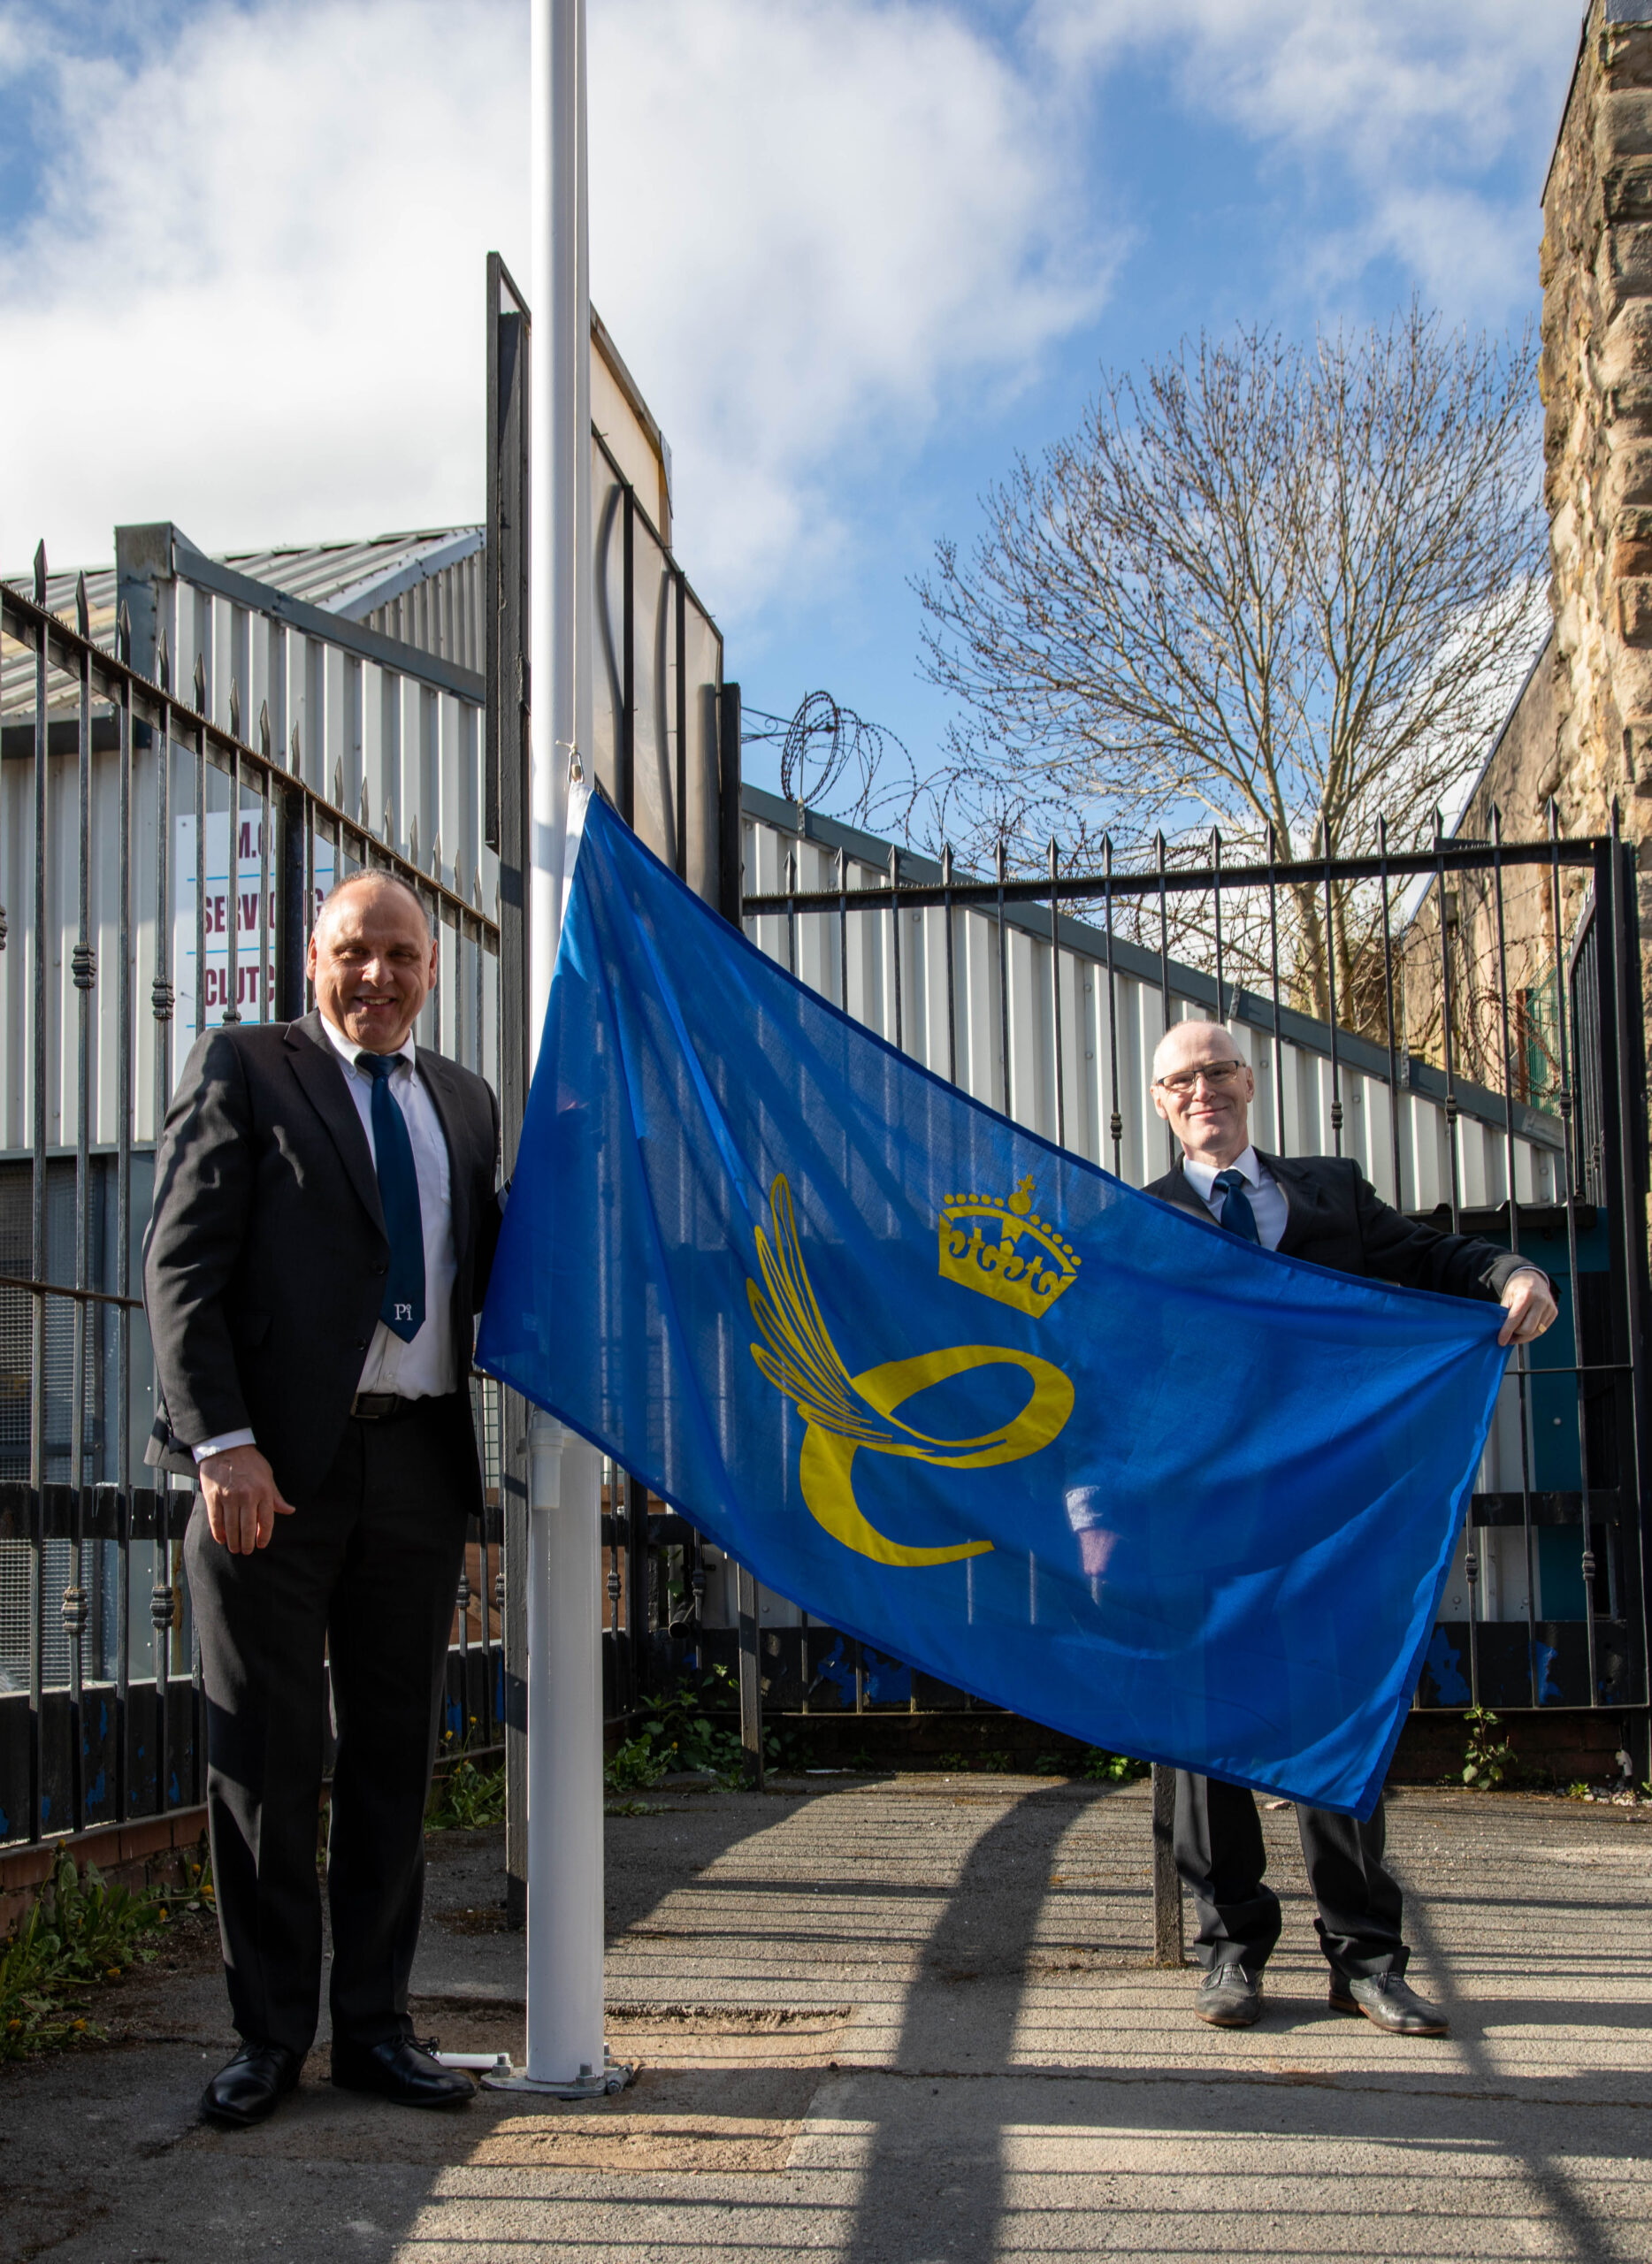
(846, 1415)
(404, 1312)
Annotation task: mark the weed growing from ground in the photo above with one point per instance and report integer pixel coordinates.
(466, 1798)
(1487, 1761)
(1104, 1768)
(467, 1795)
(678, 1736)
(81, 1933)
(635, 1765)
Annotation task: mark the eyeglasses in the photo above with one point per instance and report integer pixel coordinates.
(1217, 1074)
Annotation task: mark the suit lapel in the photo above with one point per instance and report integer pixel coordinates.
(443, 1089)
(1180, 1190)
(318, 1069)
(1302, 1199)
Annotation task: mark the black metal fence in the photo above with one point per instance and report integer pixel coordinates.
(1498, 988)
(159, 876)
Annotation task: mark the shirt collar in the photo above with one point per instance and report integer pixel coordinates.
(346, 1049)
(1201, 1177)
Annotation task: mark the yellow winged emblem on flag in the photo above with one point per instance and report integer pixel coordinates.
(846, 1413)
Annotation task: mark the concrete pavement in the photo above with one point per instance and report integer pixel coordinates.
(909, 2021)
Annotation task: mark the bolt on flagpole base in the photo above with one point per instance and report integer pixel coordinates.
(614, 2075)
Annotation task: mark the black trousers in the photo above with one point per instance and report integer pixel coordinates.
(1221, 1858)
(360, 1579)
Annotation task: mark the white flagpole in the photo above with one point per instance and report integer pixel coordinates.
(564, 2024)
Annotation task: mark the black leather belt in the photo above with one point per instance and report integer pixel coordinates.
(382, 1406)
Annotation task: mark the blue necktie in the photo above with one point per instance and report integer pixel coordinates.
(402, 1306)
(1237, 1216)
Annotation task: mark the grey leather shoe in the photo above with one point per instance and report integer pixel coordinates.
(1387, 1999)
(1230, 1996)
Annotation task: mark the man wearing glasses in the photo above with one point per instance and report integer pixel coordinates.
(1321, 1210)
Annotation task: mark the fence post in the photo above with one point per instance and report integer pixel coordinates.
(513, 1552)
(729, 887)
(729, 877)
(1168, 1943)
(505, 825)
(751, 1684)
(144, 586)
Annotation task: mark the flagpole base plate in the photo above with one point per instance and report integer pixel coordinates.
(614, 2076)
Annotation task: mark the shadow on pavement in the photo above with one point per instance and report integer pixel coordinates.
(978, 1948)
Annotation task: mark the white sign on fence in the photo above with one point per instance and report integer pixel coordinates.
(255, 969)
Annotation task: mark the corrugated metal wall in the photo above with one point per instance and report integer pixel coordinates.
(866, 989)
(442, 614)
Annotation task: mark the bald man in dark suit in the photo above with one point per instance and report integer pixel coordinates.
(324, 1223)
(1320, 1209)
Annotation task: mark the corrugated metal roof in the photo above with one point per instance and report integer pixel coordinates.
(17, 663)
(353, 579)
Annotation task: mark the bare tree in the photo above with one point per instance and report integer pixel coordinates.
(1268, 588)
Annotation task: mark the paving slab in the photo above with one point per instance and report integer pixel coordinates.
(910, 2019)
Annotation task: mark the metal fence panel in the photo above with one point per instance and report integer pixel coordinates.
(160, 869)
(1054, 1019)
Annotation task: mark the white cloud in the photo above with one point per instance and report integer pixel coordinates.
(250, 299)
(867, 209)
(1409, 102)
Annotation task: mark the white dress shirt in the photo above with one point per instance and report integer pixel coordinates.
(425, 1368)
(1265, 1195)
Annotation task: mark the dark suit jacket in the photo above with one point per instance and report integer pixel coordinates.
(264, 1265)
(1336, 1218)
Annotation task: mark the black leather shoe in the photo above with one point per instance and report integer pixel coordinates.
(1386, 1998)
(252, 2087)
(1230, 1996)
(402, 2071)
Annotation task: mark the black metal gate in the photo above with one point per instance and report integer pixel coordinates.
(1495, 981)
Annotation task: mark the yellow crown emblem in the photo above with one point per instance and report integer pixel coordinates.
(1022, 1262)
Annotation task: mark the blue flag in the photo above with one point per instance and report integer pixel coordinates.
(959, 1392)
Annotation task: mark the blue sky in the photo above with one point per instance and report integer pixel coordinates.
(1211, 224)
(856, 254)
